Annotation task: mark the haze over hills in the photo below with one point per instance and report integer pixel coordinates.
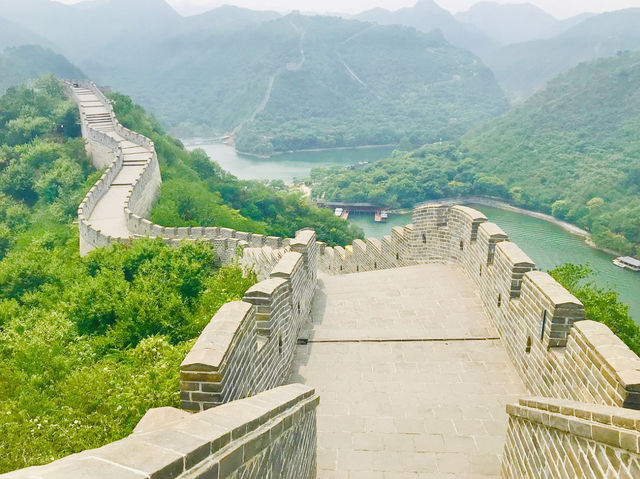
(294, 82)
(12, 34)
(26, 62)
(427, 16)
(523, 68)
(518, 22)
(25, 55)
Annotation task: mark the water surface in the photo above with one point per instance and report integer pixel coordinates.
(289, 167)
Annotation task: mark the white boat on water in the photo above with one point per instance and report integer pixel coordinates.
(627, 262)
(338, 212)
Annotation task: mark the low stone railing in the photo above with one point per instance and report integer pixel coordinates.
(272, 434)
(249, 345)
(562, 438)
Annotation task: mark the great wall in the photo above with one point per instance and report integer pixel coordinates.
(438, 351)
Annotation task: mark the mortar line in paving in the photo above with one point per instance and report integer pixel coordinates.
(408, 340)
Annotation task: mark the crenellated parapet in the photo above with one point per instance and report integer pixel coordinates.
(272, 434)
(248, 346)
(117, 207)
(555, 352)
(561, 438)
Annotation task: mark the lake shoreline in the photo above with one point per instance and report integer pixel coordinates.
(335, 148)
(196, 142)
(568, 227)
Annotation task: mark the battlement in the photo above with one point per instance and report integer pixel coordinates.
(556, 353)
(248, 346)
(116, 208)
(242, 423)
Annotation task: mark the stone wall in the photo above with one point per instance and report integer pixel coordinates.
(555, 352)
(248, 346)
(105, 151)
(554, 438)
(272, 434)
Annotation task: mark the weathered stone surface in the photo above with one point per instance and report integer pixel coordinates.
(398, 399)
(158, 418)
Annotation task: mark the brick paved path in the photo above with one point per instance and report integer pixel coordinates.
(430, 407)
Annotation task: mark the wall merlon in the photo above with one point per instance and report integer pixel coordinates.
(374, 243)
(264, 289)
(287, 265)
(211, 347)
(554, 291)
(492, 231)
(515, 255)
(303, 238)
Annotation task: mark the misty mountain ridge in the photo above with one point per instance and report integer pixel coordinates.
(523, 68)
(427, 16)
(516, 22)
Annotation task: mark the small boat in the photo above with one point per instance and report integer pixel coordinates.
(380, 216)
(338, 212)
(627, 262)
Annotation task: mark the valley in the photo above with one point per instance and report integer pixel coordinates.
(141, 273)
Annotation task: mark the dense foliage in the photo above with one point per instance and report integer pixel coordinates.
(600, 304)
(572, 151)
(197, 192)
(86, 345)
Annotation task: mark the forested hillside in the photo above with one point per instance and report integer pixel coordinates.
(352, 84)
(572, 150)
(276, 83)
(88, 345)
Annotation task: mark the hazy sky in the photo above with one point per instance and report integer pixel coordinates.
(559, 8)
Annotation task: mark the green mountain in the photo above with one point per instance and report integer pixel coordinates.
(427, 16)
(27, 62)
(347, 83)
(516, 22)
(275, 83)
(571, 150)
(523, 68)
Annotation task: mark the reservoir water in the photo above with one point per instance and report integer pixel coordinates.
(546, 244)
(288, 167)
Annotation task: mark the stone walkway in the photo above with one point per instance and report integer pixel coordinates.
(412, 380)
(108, 215)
